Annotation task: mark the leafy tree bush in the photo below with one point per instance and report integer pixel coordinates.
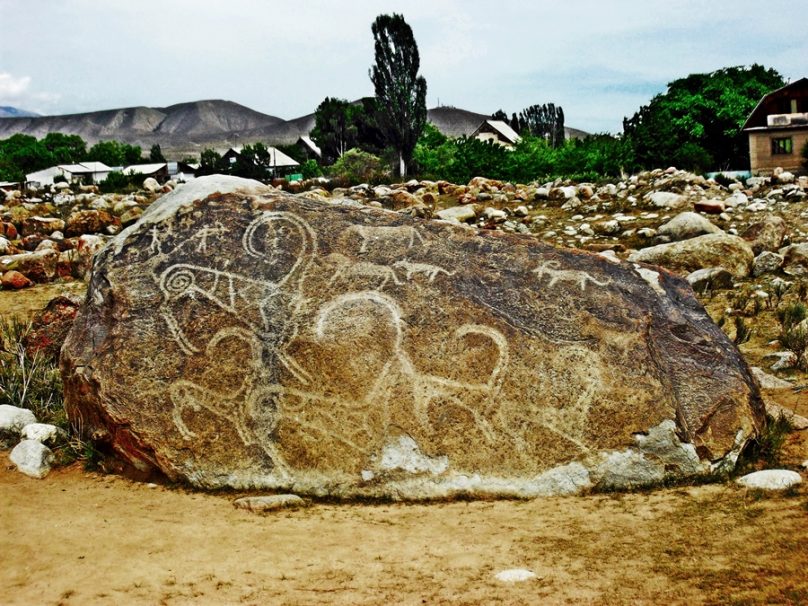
(65, 149)
(335, 130)
(211, 163)
(696, 123)
(310, 169)
(400, 91)
(156, 154)
(357, 166)
(117, 182)
(115, 153)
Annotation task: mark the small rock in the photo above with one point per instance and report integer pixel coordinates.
(768, 381)
(766, 263)
(515, 575)
(770, 479)
(150, 184)
(664, 199)
(457, 213)
(13, 419)
(32, 458)
(44, 433)
(14, 280)
(711, 207)
(269, 502)
(687, 225)
(714, 278)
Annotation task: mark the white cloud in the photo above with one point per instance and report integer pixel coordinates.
(11, 87)
(16, 91)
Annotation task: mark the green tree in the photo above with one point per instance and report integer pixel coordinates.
(696, 123)
(211, 163)
(400, 91)
(335, 129)
(544, 121)
(65, 149)
(114, 153)
(23, 154)
(156, 154)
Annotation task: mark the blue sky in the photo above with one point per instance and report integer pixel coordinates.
(599, 60)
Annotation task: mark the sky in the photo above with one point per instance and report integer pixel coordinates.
(599, 59)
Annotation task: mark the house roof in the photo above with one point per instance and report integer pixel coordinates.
(144, 169)
(307, 141)
(43, 174)
(775, 93)
(97, 167)
(505, 131)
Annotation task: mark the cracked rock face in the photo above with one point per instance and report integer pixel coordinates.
(239, 336)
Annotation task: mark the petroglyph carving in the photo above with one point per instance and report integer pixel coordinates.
(552, 270)
(426, 388)
(203, 234)
(404, 237)
(430, 271)
(249, 402)
(366, 273)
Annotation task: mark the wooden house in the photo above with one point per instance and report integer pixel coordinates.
(498, 132)
(778, 129)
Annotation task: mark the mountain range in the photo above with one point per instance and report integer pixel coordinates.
(187, 128)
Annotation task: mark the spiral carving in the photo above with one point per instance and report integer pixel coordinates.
(178, 282)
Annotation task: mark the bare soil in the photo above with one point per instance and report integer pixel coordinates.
(85, 538)
(81, 537)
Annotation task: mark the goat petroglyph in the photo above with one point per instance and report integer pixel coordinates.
(426, 269)
(552, 270)
(403, 237)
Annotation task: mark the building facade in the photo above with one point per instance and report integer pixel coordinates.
(778, 129)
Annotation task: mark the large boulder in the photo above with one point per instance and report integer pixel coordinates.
(241, 336)
(712, 250)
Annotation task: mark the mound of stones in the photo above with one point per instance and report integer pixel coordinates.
(29, 440)
(238, 336)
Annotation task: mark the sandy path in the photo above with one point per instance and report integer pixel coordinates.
(79, 538)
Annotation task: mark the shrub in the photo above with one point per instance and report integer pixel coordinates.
(26, 381)
(357, 166)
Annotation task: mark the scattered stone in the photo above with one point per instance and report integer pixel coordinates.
(774, 410)
(14, 280)
(664, 199)
(50, 326)
(766, 263)
(151, 184)
(687, 225)
(768, 381)
(515, 575)
(767, 234)
(712, 278)
(713, 250)
(12, 421)
(47, 434)
(795, 259)
(269, 503)
(770, 479)
(32, 458)
(457, 213)
(710, 207)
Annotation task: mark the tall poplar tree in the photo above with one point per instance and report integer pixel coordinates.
(400, 91)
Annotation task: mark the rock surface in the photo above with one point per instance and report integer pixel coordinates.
(239, 336)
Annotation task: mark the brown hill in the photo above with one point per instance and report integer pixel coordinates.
(187, 128)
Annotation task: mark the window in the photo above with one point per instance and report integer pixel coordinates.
(782, 146)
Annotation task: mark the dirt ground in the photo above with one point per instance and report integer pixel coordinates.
(79, 538)
(84, 538)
